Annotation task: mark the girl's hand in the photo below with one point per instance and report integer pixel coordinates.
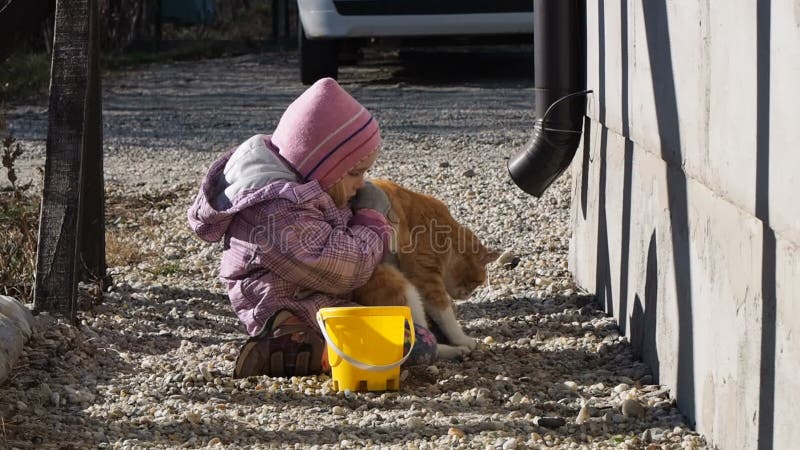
(371, 197)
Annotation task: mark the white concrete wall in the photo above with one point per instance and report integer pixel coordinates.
(685, 205)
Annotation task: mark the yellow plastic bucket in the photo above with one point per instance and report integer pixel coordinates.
(365, 345)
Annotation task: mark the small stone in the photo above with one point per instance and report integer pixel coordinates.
(571, 385)
(550, 422)
(469, 173)
(664, 404)
(507, 260)
(583, 415)
(205, 373)
(193, 417)
(457, 432)
(214, 441)
(338, 410)
(647, 436)
(444, 164)
(510, 444)
(632, 408)
(622, 387)
(414, 422)
(488, 340)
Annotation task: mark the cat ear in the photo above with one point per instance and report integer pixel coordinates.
(490, 256)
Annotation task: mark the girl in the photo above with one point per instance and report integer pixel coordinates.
(291, 243)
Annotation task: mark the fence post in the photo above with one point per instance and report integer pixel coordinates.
(281, 22)
(71, 227)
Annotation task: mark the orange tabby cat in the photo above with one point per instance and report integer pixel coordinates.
(433, 260)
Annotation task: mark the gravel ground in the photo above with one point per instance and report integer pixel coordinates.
(149, 365)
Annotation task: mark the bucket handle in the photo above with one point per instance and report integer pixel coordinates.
(363, 365)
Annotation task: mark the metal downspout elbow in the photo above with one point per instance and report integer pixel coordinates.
(560, 95)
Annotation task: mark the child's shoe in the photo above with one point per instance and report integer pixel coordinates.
(287, 347)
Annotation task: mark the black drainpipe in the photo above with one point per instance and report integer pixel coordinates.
(559, 46)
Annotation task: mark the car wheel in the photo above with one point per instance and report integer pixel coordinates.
(319, 58)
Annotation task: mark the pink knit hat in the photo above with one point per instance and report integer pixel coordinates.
(325, 132)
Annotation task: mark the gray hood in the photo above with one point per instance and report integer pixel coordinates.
(251, 166)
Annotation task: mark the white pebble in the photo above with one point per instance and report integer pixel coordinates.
(516, 399)
(505, 258)
(414, 422)
(632, 408)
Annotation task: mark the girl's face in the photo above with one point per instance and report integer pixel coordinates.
(354, 179)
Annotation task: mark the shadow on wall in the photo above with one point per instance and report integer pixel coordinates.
(643, 318)
(663, 82)
(766, 403)
(643, 323)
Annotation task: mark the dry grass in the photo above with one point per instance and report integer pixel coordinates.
(129, 222)
(5, 436)
(121, 251)
(18, 236)
(127, 225)
(132, 210)
(19, 216)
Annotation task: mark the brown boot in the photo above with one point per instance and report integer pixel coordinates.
(287, 347)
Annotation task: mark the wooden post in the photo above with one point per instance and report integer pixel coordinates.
(158, 24)
(287, 34)
(71, 227)
(91, 237)
(275, 20)
(280, 22)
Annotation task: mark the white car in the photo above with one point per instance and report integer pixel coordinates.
(325, 24)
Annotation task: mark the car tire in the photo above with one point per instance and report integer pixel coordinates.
(319, 58)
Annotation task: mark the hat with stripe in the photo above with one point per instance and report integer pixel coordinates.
(325, 132)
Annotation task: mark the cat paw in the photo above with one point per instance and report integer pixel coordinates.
(450, 351)
(465, 341)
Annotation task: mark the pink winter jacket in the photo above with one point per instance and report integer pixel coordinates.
(286, 244)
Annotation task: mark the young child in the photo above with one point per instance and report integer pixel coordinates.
(291, 243)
